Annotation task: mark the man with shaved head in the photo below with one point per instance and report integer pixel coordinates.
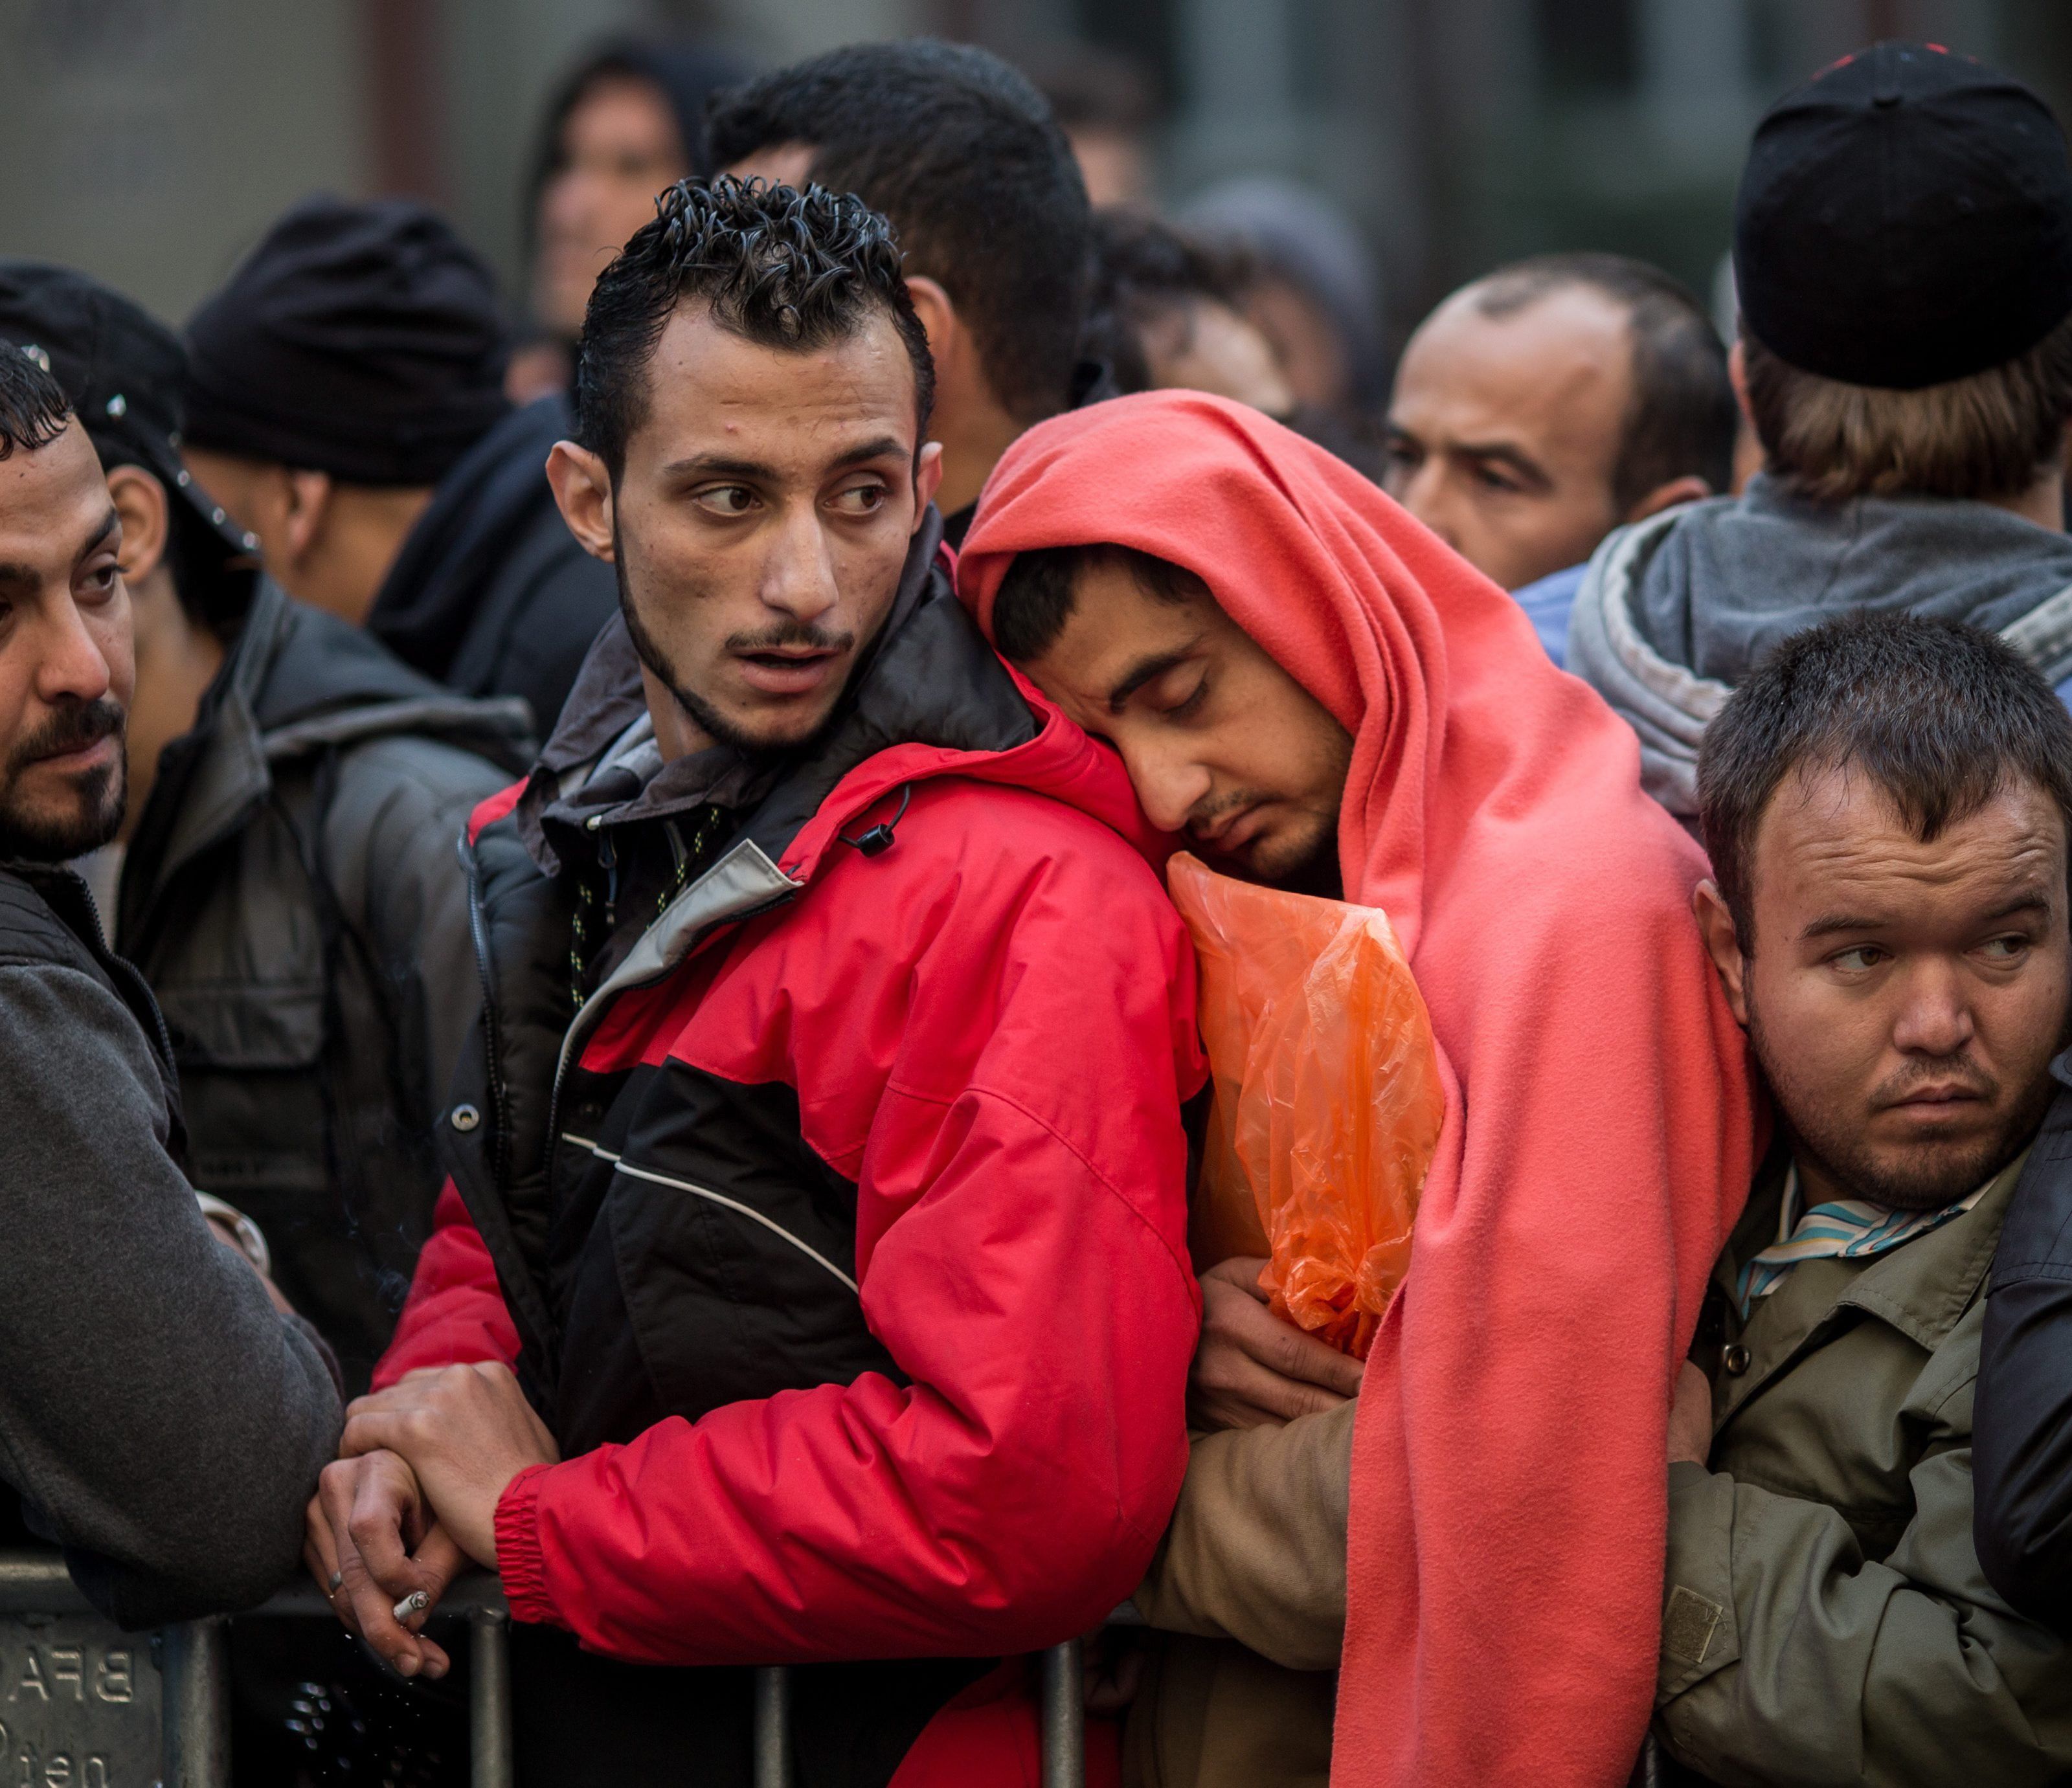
(1550, 402)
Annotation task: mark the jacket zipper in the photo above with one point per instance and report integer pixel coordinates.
(478, 927)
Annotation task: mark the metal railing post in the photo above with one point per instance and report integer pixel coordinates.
(491, 1760)
(195, 1662)
(1064, 1717)
(773, 1727)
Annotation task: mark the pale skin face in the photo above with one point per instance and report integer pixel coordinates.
(1504, 432)
(1306, 342)
(1204, 345)
(620, 147)
(761, 524)
(67, 669)
(1221, 743)
(1113, 163)
(1904, 999)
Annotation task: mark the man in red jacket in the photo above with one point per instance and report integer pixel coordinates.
(811, 1284)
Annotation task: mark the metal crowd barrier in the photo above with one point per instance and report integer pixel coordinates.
(85, 1705)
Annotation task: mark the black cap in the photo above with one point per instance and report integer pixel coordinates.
(1904, 219)
(363, 340)
(122, 370)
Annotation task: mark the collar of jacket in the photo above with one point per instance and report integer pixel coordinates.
(1922, 1287)
(930, 698)
(272, 701)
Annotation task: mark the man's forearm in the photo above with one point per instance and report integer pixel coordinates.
(1256, 1550)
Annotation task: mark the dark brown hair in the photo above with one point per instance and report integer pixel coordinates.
(34, 409)
(785, 268)
(1941, 716)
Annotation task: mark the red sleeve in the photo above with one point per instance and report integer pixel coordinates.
(1021, 1223)
(455, 1313)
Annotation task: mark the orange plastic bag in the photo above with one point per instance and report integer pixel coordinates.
(1327, 1101)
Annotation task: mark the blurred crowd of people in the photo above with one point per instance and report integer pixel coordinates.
(587, 988)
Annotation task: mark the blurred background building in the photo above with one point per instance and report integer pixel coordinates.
(150, 141)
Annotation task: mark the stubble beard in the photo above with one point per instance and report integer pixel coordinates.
(1929, 1177)
(102, 795)
(708, 719)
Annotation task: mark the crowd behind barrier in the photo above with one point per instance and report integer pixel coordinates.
(187, 1744)
(618, 1205)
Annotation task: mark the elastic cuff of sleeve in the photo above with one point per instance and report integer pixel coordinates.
(520, 1560)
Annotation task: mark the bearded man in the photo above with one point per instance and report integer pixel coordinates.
(161, 1418)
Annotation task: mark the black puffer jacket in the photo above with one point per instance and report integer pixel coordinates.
(292, 896)
(491, 595)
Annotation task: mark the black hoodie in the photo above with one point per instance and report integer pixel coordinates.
(491, 595)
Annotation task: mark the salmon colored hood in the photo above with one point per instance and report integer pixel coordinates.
(1509, 1505)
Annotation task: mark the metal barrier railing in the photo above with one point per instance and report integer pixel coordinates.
(72, 1654)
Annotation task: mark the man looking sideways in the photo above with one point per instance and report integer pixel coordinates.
(1325, 698)
(285, 876)
(1885, 802)
(158, 1417)
(1549, 403)
(850, 1323)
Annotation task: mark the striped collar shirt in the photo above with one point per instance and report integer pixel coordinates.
(1847, 1229)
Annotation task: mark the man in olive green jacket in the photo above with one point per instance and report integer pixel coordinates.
(1826, 1618)
(1885, 803)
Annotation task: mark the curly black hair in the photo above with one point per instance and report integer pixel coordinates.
(34, 408)
(786, 268)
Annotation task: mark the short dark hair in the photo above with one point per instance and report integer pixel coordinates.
(784, 268)
(1037, 595)
(963, 155)
(1978, 438)
(34, 409)
(1682, 418)
(1142, 266)
(1941, 716)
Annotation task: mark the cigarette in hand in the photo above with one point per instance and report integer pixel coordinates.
(415, 1603)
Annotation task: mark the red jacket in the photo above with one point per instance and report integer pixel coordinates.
(983, 1034)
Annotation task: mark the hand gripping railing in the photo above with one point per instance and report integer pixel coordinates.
(194, 1666)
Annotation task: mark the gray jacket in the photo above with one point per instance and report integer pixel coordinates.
(157, 1417)
(292, 896)
(1674, 610)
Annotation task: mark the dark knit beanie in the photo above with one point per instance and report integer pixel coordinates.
(1905, 219)
(362, 340)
